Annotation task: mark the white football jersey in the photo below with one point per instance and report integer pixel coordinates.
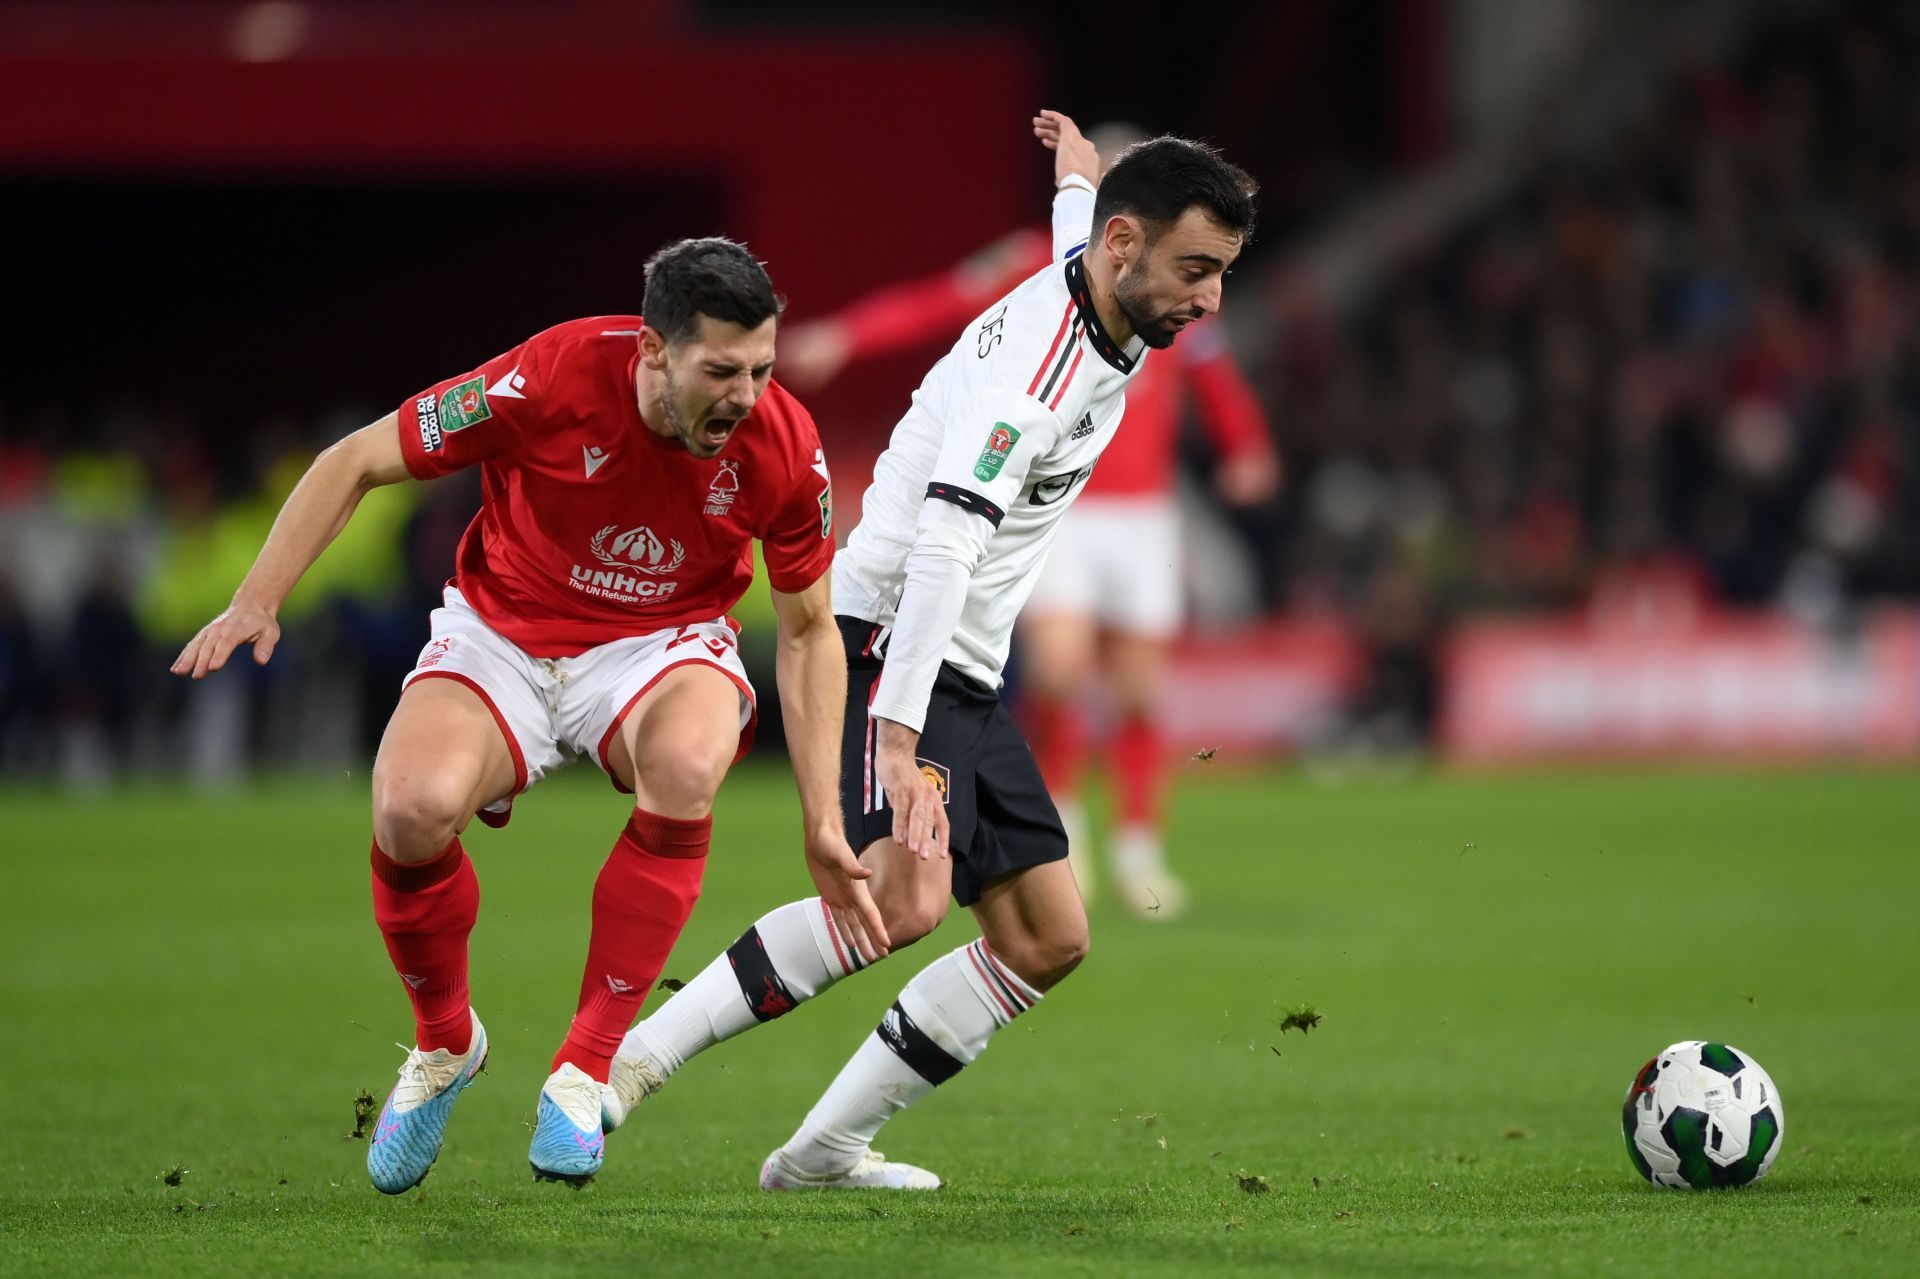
(1006, 427)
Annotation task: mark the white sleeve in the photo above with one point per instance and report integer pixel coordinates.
(1072, 217)
(988, 448)
(982, 467)
(947, 545)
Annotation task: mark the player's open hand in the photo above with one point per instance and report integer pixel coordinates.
(1073, 155)
(919, 807)
(241, 624)
(841, 879)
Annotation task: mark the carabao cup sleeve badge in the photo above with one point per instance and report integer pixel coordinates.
(464, 405)
(1000, 442)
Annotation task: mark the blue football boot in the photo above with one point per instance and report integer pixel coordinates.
(568, 1144)
(407, 1138)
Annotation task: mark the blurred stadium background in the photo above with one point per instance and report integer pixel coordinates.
(1587, 332)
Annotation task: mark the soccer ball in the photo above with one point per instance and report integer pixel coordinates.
(1701, 1115)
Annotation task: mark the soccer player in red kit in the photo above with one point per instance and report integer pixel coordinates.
(1108, 603)
(627, 465)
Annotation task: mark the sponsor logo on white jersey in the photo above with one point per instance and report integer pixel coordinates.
(1047, 491)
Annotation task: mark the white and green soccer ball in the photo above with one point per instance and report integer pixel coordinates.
(1700, 1115)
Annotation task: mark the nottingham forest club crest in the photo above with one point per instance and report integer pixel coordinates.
(1000, 442)
(725, 487)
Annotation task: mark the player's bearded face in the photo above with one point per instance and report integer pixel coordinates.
(713, 380)
(1175, 279)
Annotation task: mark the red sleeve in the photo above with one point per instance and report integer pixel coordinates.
(467, 419)
(1229, 410)
(906, 315)
(798, 541)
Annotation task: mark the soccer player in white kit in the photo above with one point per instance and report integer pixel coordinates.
(1104, 613)
(938, 788)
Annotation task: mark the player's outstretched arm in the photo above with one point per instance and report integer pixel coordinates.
(315, 512)
(1073, 155)
(811, 667)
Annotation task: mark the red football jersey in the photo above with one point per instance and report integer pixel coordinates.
(1140, 462)
(591, 527)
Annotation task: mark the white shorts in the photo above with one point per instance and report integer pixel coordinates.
(552, 710)
(1117, 560)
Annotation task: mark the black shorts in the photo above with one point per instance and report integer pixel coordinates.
(999, 814)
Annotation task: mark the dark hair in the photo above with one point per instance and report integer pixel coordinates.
(711, 276)
(1161, 178)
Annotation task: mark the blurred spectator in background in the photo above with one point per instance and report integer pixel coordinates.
(1109, 602)
(23, 687)
(1673, 372)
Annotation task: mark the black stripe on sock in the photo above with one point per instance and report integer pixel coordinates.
(765, 993)
(910, 1044)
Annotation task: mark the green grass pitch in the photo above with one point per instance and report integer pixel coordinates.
(197, 983)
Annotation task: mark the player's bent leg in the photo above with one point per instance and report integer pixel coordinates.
(672, 750)
(1146, 885)
(1034, 923)
(441, 759)
(787, 957)
(912, 892)
(675, 745)
(940, 1024)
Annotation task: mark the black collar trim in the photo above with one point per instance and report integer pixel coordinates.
(1122, 358)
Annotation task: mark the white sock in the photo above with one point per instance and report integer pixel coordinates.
(941, 1022)
(789, 955)
(1137, 850)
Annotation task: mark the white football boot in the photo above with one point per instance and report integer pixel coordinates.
(873, 1172)
(631, 1081)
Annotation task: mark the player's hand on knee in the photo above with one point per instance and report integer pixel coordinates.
(241, 624)
(840, 877)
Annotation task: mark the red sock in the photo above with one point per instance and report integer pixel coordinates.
(1140, 767)
(1057, 730)
(640, 903)
(425, 912)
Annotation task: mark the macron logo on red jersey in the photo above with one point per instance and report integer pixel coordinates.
(595, 458)
(513, 386)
